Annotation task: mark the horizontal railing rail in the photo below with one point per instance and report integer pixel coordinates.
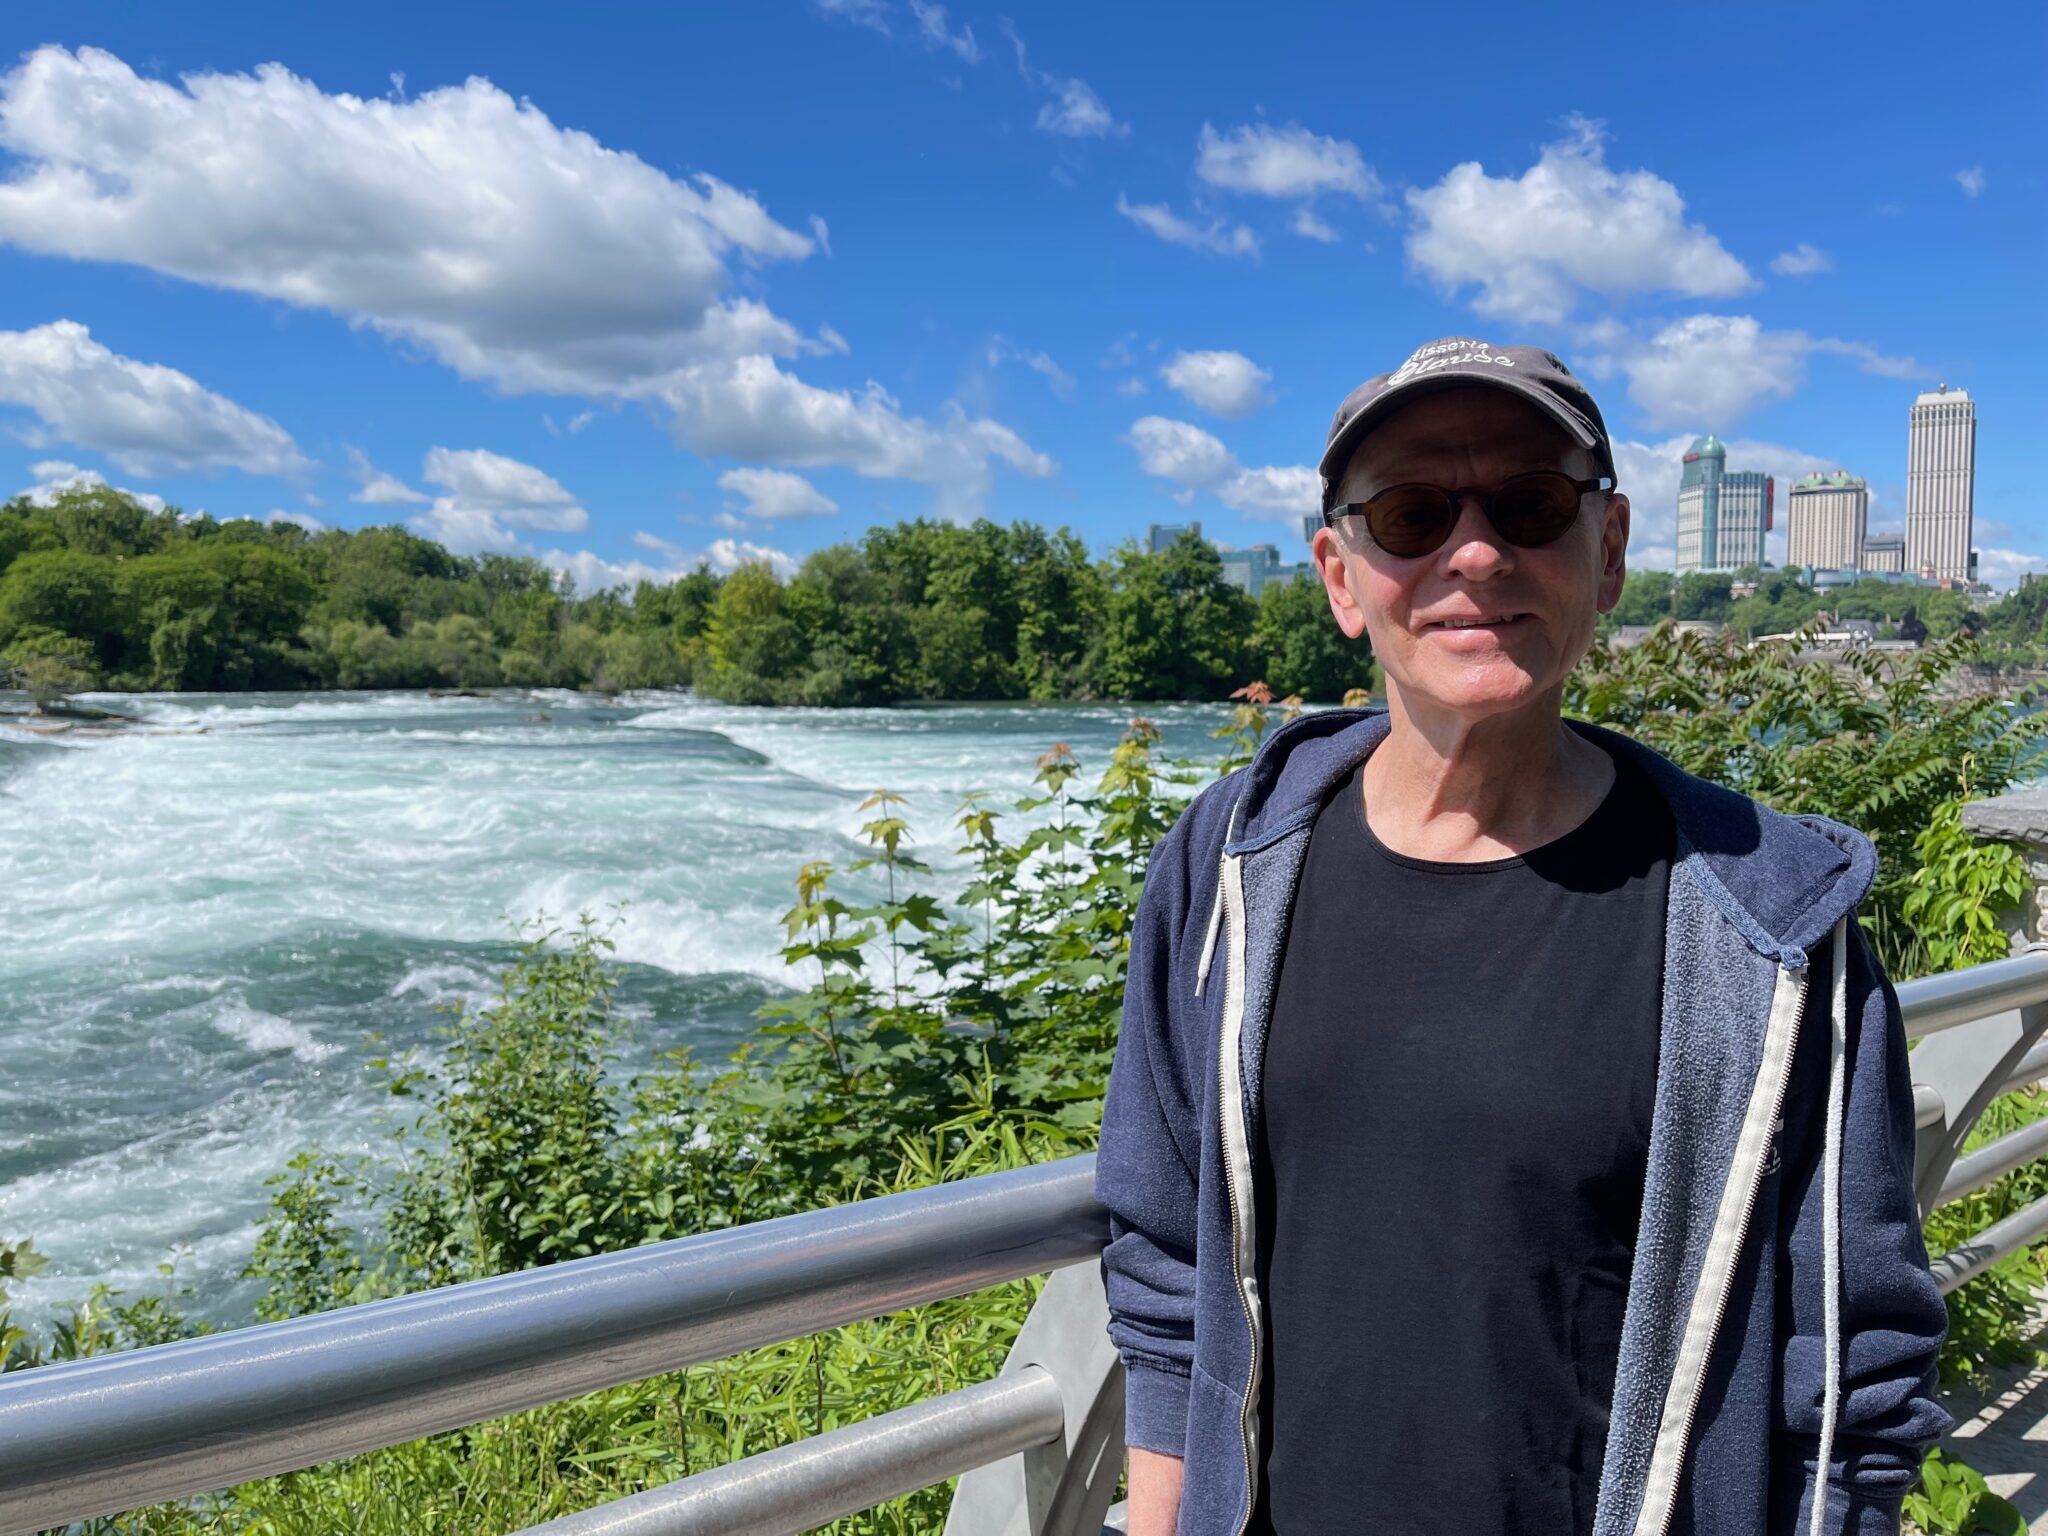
(98, 1436)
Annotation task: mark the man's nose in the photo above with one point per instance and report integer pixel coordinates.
(1475, 549)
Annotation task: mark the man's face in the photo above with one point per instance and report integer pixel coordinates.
(1550, 596)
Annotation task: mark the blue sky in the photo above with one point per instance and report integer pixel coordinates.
(625, 287)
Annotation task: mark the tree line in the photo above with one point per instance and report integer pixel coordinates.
(1781, 602)
(99, 591)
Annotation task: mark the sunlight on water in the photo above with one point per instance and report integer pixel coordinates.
(209, 916)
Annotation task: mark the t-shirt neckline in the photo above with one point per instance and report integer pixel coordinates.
(1354, 789)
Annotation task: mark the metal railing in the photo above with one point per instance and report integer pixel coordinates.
(1037, 1450)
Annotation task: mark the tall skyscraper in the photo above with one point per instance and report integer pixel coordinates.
(1826, 518)
(1699, 503)
(1941, 471)
(1743, 519)
(1722, 515)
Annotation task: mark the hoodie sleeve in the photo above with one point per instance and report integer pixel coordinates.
(1146, 1168)
(1891, 1318)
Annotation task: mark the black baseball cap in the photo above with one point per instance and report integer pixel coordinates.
(1455, 362)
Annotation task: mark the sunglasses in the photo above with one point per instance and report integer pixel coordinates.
(1528, 511)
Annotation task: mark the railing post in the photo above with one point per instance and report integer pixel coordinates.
(1061, 1489)
(1967, 1067)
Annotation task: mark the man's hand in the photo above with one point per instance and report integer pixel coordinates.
(1154, 1487)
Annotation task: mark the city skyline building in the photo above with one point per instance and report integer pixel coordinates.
(1827, 517)
(1723, 514)
(1884, 552)
(1699, 503)
(1941, 469)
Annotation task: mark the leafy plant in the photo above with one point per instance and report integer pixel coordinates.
(1953, 1500)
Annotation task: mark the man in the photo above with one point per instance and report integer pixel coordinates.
(1510, 1134)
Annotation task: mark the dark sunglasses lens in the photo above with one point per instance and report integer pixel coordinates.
(1532, 510)
(1409, 519)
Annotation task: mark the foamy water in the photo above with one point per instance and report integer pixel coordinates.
(209, 918)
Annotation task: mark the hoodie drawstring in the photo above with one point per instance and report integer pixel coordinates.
(1831, 1223)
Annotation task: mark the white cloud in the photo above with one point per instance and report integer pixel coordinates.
(299, 519)
(1226, 384)
(593, 573)
(1531, 243)
(1708, 371)
(1648, 473)
(2005, 567)
(146, 418)
(448, 220)
(53, 477)
(1309, 227)
(1130, 389)
(1802, 260)
(873, 14)
(777, 494)
(487, 496)
(1057, 378)
(1972, 181)
(378, 489)
(1075, 111)
(931, 21)
(753, 410)
(1287, 162)
(1216, 236)
(1194, 460)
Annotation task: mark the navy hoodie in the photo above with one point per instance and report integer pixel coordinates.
(1780, 1315)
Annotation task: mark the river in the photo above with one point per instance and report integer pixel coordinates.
(212, 921)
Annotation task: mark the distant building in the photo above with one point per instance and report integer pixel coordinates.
(1159, 536)
(1722, 515)
(1260, 567)
(1884, 552)
(1699, 504)
(1310, 522)
(1826, 518)
(1744, 518)
(1941, 469)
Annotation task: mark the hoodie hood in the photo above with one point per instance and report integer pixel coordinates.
(1783, 881)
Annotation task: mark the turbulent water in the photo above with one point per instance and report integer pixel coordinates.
(210, 923)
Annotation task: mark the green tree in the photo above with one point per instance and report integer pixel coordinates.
(1173, 626)
(1300, 650)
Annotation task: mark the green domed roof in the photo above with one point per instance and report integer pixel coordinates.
(1709, 444)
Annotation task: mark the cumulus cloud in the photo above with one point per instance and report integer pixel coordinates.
(448, 220)
(1226, 384)
(1971, 181)
(2005, 567)
(1648, 473)
(593, 573)
(1074, 110)
(1306, 224)
(1532, 243)
(931, 22)
(1217, 236)
(754, 410)
(776, 494)
(1287, 162)
(378, 489)
(1709, 371)
(486, 496)
(1802, 260)
(53, 477)
(1194, 460)
(146, 418)
(298, 519)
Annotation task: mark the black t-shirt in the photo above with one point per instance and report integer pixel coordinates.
(1457, 1093)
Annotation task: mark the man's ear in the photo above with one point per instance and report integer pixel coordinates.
(1613, 551)
(1327, 550)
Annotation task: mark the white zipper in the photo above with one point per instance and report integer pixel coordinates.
(1236, 1153)
(1724, 1250)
